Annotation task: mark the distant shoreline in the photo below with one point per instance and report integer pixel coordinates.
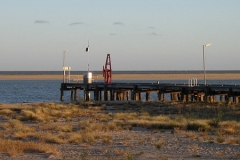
(122, 72)
(210, 76)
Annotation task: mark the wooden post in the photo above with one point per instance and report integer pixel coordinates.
(139, 96)
(179, 96)
(147, 96)
(226, 99)
(96, 95)
(71, 96)
(133, 96)
(75, 94)
(62, 92)
(100, 95)
(220, 98)
(127, 95)
(111, 95)
(163, 97)
(183, 96)
(187, 97)
(86, 95)
(159, 95)
(105, 93)
(234, 99)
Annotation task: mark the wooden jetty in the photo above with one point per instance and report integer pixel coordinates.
(140, 91)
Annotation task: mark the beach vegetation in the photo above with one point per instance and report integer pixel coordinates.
(88, 123)
(159, 144)
(14, 148)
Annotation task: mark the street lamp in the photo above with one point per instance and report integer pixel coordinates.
(205, 45)
(64, 52)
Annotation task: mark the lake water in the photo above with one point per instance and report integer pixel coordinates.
(14, 91)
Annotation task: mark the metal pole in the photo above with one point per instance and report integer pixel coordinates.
(88, 61)
(204, 67)
(64, 52)
(88, 56)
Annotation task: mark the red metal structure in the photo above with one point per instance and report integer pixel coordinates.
(107, 70)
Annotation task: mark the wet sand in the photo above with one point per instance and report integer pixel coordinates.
(226, 76)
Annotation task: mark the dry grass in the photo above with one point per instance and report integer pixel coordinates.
(220, 139)
(5, 111)
(234, 141)
(159, 144)
(54, 123)
(14, 148)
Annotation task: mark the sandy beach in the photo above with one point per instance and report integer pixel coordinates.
(226, 76)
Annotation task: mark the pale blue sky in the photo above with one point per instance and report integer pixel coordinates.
(139, 34)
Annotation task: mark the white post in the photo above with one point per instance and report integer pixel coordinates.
(205, 81)
(64, 52)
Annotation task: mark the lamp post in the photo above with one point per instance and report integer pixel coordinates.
(64, 52)
(205, 45)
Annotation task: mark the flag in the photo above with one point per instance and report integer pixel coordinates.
(87, 49)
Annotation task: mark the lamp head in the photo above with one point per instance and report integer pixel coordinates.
(209, 44)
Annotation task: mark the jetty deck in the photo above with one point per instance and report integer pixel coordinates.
(140, 91)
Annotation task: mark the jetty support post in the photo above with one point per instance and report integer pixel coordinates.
(62, 92)
(75, 94)
(106, 95)
(148, 96)
(159, 95)
(112, 94)
(183, 95)
(206, 93)
(87, 93)
(96, 94)
(133, 95)
(71, 96)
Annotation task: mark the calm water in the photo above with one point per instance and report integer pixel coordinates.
(12, 91)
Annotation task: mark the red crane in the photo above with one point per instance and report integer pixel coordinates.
(107, 71)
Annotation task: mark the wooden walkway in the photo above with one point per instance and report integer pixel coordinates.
(136, 91)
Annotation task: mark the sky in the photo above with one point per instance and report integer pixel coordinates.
(138, 34)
